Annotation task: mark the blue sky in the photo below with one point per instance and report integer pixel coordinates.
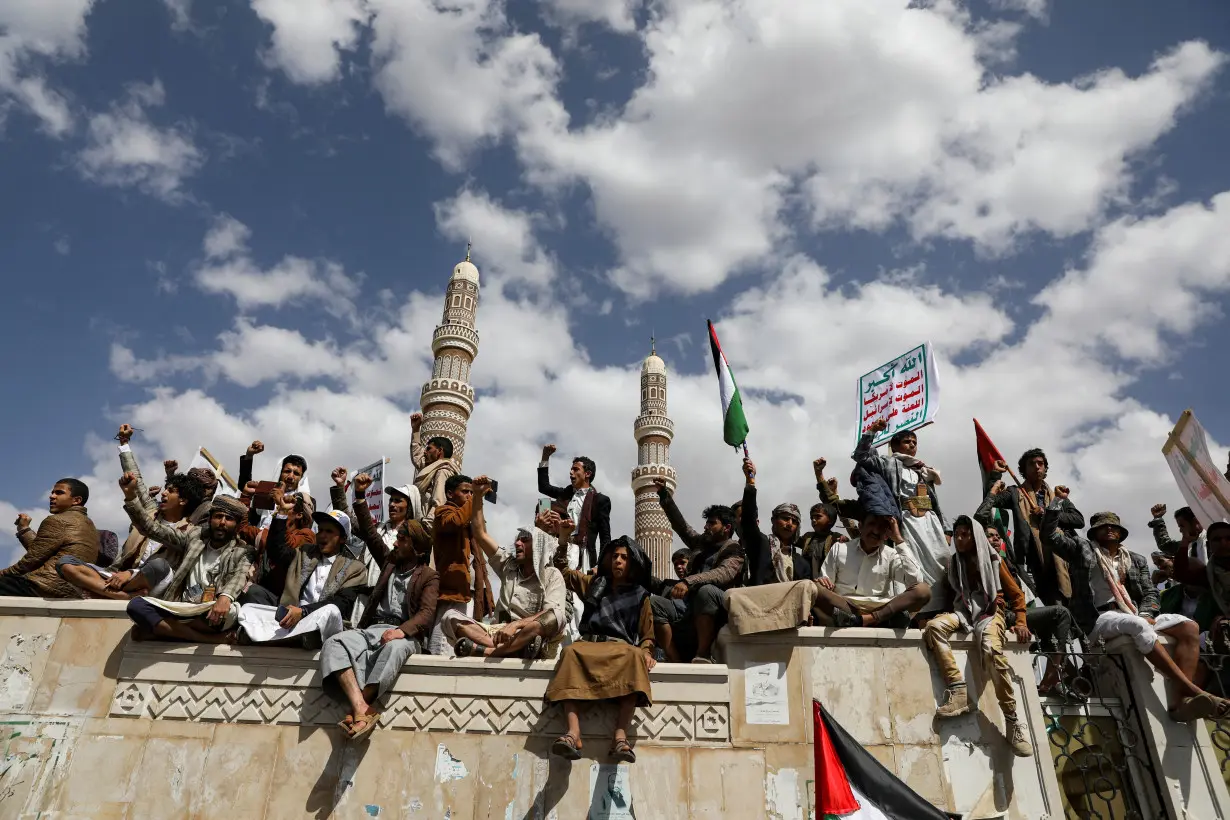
(1030, 185)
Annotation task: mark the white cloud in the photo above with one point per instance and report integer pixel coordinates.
(309, 35)
(125, 149)
(617, 14)
(180, 12)
(32, 32)
(230, 270)
(505, 236)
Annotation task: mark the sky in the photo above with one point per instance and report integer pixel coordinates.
(235, 220)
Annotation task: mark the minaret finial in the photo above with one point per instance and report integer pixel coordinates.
(653, 345)
(468, 243)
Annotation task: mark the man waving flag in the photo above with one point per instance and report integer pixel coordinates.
(734, 423)
(852, 785)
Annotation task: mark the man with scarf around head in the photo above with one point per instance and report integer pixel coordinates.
(360, 665)
(774, 558)
(529, 615)
(978, 594)
(1048, 578)
(913, 484)
(716, 565)
(433, 467)
(210, 567)
(1212, 575)
(1113, 596)
(616, 651)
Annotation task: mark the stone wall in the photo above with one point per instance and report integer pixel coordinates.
(100, 727)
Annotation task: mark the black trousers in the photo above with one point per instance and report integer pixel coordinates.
(1053, 625)
(18, 586)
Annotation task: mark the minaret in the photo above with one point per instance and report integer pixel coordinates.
(653, 431)
(448, 399)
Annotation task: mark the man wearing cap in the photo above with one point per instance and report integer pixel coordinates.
(210, 565)
(1112, 596)
(321, 584)
(360, 665)
(774, 558)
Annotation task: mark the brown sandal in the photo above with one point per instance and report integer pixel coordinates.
(621, 750)
(566, 748)
(364, 725)
(345, 723)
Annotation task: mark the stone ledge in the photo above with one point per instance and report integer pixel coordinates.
(858, 636)
(62, 607)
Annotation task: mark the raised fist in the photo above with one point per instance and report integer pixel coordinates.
(128, 483)
(339, 476)
(1062, 492)
(878, 426)
(1001, 466)
(997, 487)
(818, 465)
(1158, 510)
(832, 482)
(548, 451)
(22, 522)
(416, 421)
(361, 482)
(154, 491)
(125, 433)
(256, 448)
(170, 466)
(659, 483)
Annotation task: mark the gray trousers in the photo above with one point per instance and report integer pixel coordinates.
(372, 661)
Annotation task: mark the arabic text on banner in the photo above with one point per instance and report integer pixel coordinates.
(1203, 486)
(905, 391)
(375, 493)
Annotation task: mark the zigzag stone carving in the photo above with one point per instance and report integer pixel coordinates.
(691, 723)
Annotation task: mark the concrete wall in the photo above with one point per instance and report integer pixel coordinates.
(100, 727)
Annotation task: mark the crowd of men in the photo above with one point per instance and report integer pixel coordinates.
(268, 566)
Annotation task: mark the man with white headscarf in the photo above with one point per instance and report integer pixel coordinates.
(980, 596)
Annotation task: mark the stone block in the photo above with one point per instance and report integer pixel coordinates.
(102, 776)
(740, 656)
(81, 670)
(852, 685)
(921, 769)
(24, 645)
(168, 785)
(912, 690)
(727, 783)
(237, 772)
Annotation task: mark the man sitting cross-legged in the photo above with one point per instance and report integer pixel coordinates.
(321, 585)
(871, 581)
(530, 611)
(210, 567)
(715, 565)
(359, 665)
(978, 594)
(1112, 595)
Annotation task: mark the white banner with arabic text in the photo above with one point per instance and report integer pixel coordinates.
(1204, 487)
(905, 392)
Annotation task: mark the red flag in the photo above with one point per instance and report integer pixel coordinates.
(988, 454)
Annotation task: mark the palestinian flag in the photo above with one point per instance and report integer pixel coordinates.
(734, 423)
(988, 454)
(852, 785)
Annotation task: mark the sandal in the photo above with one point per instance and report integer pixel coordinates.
(566, 748)
(466, 648)
(621, 750)
(345, 723)
(364, 725)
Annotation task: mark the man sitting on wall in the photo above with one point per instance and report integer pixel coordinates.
(1112, 596)
(67, 531)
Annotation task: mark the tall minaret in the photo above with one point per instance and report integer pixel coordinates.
(448, 399)
(653, 431)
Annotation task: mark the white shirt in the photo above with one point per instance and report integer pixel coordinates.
(315, 585)
(206, 568)
(576, 503)
(873, 579)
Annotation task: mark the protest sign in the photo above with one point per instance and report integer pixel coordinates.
(375, 493)
(1203, 486)
(905, 392)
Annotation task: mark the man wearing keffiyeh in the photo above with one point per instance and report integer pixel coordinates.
(980, 595)
(1112, 596)
(774, 558)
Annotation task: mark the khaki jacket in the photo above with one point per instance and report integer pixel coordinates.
(68, 533)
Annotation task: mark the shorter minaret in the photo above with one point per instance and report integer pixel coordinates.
(654, 432)
(448, 397)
